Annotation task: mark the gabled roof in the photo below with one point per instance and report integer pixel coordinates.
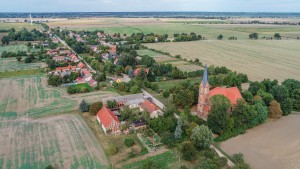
(233, 93)
(66, 68)
(148, 106)
(80, 65)
(106, 116)
(205, 76)
(137, 70)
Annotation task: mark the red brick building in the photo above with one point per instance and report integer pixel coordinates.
(108, 121)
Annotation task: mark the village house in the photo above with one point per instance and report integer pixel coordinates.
(151, 108)
(108, 121)
(137, 71)
(80, 65)
(203, 107)
(58, 58)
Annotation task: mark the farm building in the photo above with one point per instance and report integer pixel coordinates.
(203, 107)
(109, 122)
(151, 108)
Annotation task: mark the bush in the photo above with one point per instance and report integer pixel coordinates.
(188, 151)
(112, 149)
(80, 88)
(166, 94)
(237, 158)
(95, 107)
(84, 107)
(129, 142)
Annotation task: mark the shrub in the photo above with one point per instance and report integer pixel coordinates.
(112, 149)
(95, 107)
(188, 151)
(237, 158)
(129, 142)
(166, 94)
(84, 107)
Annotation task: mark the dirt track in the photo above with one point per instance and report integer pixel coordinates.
(274, 145)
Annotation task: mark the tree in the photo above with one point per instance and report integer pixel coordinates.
(112, 149)
(296, 99)
(142, 74)
(95, 107)
(19, 58)
(28, 60)
(131, 73)
(201, 137)
(247, 95)
(253, 36)
(148, 61)
(243, 114)
(49, 167)
(255, 87)
(266, 97)
(188, 151)
(111, 104)
(262, 113)
(183, 97)
(291, 85)
(218, 119)
(275, 111)
(135, 89)
(54, 80)
(277, 36)
(178, 130)
(84, 107)
(286, 106)
(119, 70)
(280, 93)
(220, 37)
(5, 40)
(129, 142)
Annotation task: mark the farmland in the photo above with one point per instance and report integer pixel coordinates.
(26, 120)
(171, 26)
(17, 26)
(258, 59)
(272, 145)
(161, 58)
(11, 64)
(13, 48)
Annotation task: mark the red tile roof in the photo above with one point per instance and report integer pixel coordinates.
(137, 70)
(80, 65)
(148, 106)
(233, 93)
(106, 116)
(113, 49)
(66, 68)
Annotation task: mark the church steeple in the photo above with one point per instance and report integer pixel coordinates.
(203, 102)
(205, 76)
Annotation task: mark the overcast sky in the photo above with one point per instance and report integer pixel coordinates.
(149, 5)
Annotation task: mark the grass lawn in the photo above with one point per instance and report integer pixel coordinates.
(11, 64)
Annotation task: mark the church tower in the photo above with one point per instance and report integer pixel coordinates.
(203, 102)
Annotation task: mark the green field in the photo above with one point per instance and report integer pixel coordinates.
(11, 64)
(163, 161)
(161, 58)
(18, 26)
(13, 48)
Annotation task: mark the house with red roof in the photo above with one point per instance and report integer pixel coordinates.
(108, 121)
(113, 49)
(151, 108)
(137, 71)
(71, 68)
(74, 58)
(81, 65)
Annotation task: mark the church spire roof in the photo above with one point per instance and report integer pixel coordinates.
(205, 76)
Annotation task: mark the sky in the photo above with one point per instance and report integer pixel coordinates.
(149, 5)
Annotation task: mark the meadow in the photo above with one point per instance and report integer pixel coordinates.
(11, 64)
(13, 48)
(161, 58)
(259, 59)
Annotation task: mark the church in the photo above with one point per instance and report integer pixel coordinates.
(203, 107)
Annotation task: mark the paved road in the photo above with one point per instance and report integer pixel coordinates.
(80, 58)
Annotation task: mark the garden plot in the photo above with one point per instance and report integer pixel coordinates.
(11, 64)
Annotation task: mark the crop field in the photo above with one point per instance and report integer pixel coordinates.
(161, 58)
(18, 26)
(13, 48)
(34, 138)
(33, 97)
(11, 64)
(272, 145)
(171, 26)
(276, 59)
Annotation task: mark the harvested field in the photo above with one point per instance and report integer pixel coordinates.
(258, 59)
(275, 144)
(11, 64)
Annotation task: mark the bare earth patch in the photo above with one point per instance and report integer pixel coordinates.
(274, 145)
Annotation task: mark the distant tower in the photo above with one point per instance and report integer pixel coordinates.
(30, 18)
(203, 102)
